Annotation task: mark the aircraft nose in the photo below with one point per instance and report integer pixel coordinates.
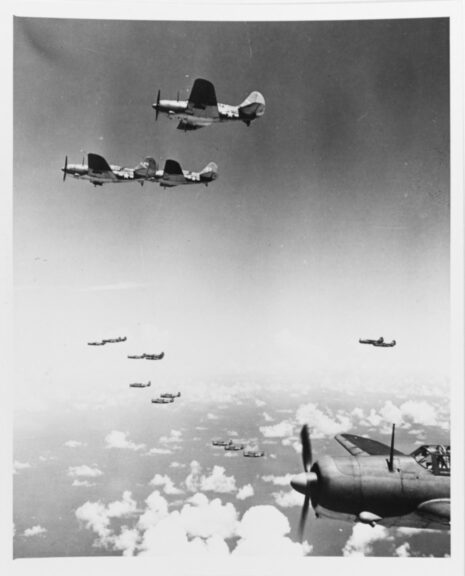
(302, 482)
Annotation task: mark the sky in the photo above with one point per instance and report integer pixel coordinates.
(329, 221)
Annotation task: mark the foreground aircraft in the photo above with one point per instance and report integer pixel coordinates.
(99, 172)
(380, 343)
(377, 484)
(140, 385)
(169, 395)
(162, 400)
(203, 109)
(173, 175)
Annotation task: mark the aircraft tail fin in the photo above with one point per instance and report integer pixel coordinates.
(252, 107)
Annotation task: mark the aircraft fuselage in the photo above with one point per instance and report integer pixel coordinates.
(351, 486)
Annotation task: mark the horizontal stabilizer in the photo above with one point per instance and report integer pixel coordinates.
(437, 510)
(210, 168)
(97, 163)
(253, 98)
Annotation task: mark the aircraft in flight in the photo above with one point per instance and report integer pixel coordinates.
(140, 384)
(162, 400)
(115, 340)
(169, 395)
(221, 442)
(253, 453)
(377, 484)
(173, 175)
(234, 447)
(380, 343)
(147, 356)
(99, 172)
(96, 343)
(203, 109)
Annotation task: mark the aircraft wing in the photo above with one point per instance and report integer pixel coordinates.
(202, 100)
(429, 515)
(173, 174)
(98, 166)
(360, 446)
(183, 125)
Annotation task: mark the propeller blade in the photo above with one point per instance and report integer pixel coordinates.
(65, 168)
(306, 448)
(303, 516)
(158, 104)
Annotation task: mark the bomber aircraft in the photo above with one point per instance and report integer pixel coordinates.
(380, 343)
(253, 453)
(115, 340)
(173, 175)
(221, 442)
(140, 384)
(162, 400)
(169, 395)
(234, 447)
(203, 109)
(147, 356)
(99, 172)
(377, 484)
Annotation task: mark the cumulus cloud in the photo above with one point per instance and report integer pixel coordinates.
(278, 480)
(323, 423)
(74, 443)
(34, 531)
(84, 483)
(167, 483)
(97, 516)
(245, 492)
(279, 430)
(419, 411)
(160, 451)
(117, 439)
(288, 499)
(360, 542)
(216, 481)
(200, 528)
(174, 437)
(17, 466)
(211, 416)
(403, 551)
(84, 471)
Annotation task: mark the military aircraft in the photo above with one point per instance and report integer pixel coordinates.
(115, 340)
(162, 400)
(99, 172)
(253, 453)
(173, 175)
(147, 356)
(379, 342)
(96, 343)
(234, 447)
(377, 484)
(221, 442)
(140, 384)
(169, 395)
(203, 109)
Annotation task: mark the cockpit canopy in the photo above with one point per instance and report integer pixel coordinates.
(434, 457)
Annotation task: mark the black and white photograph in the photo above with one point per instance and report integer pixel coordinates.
(232, 268)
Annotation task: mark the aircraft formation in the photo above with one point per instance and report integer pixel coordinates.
(376, 484)
(231, 446)
(200, 110)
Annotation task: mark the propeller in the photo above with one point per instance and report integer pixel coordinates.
(65, 168)
(157, 105)
(303, 482)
